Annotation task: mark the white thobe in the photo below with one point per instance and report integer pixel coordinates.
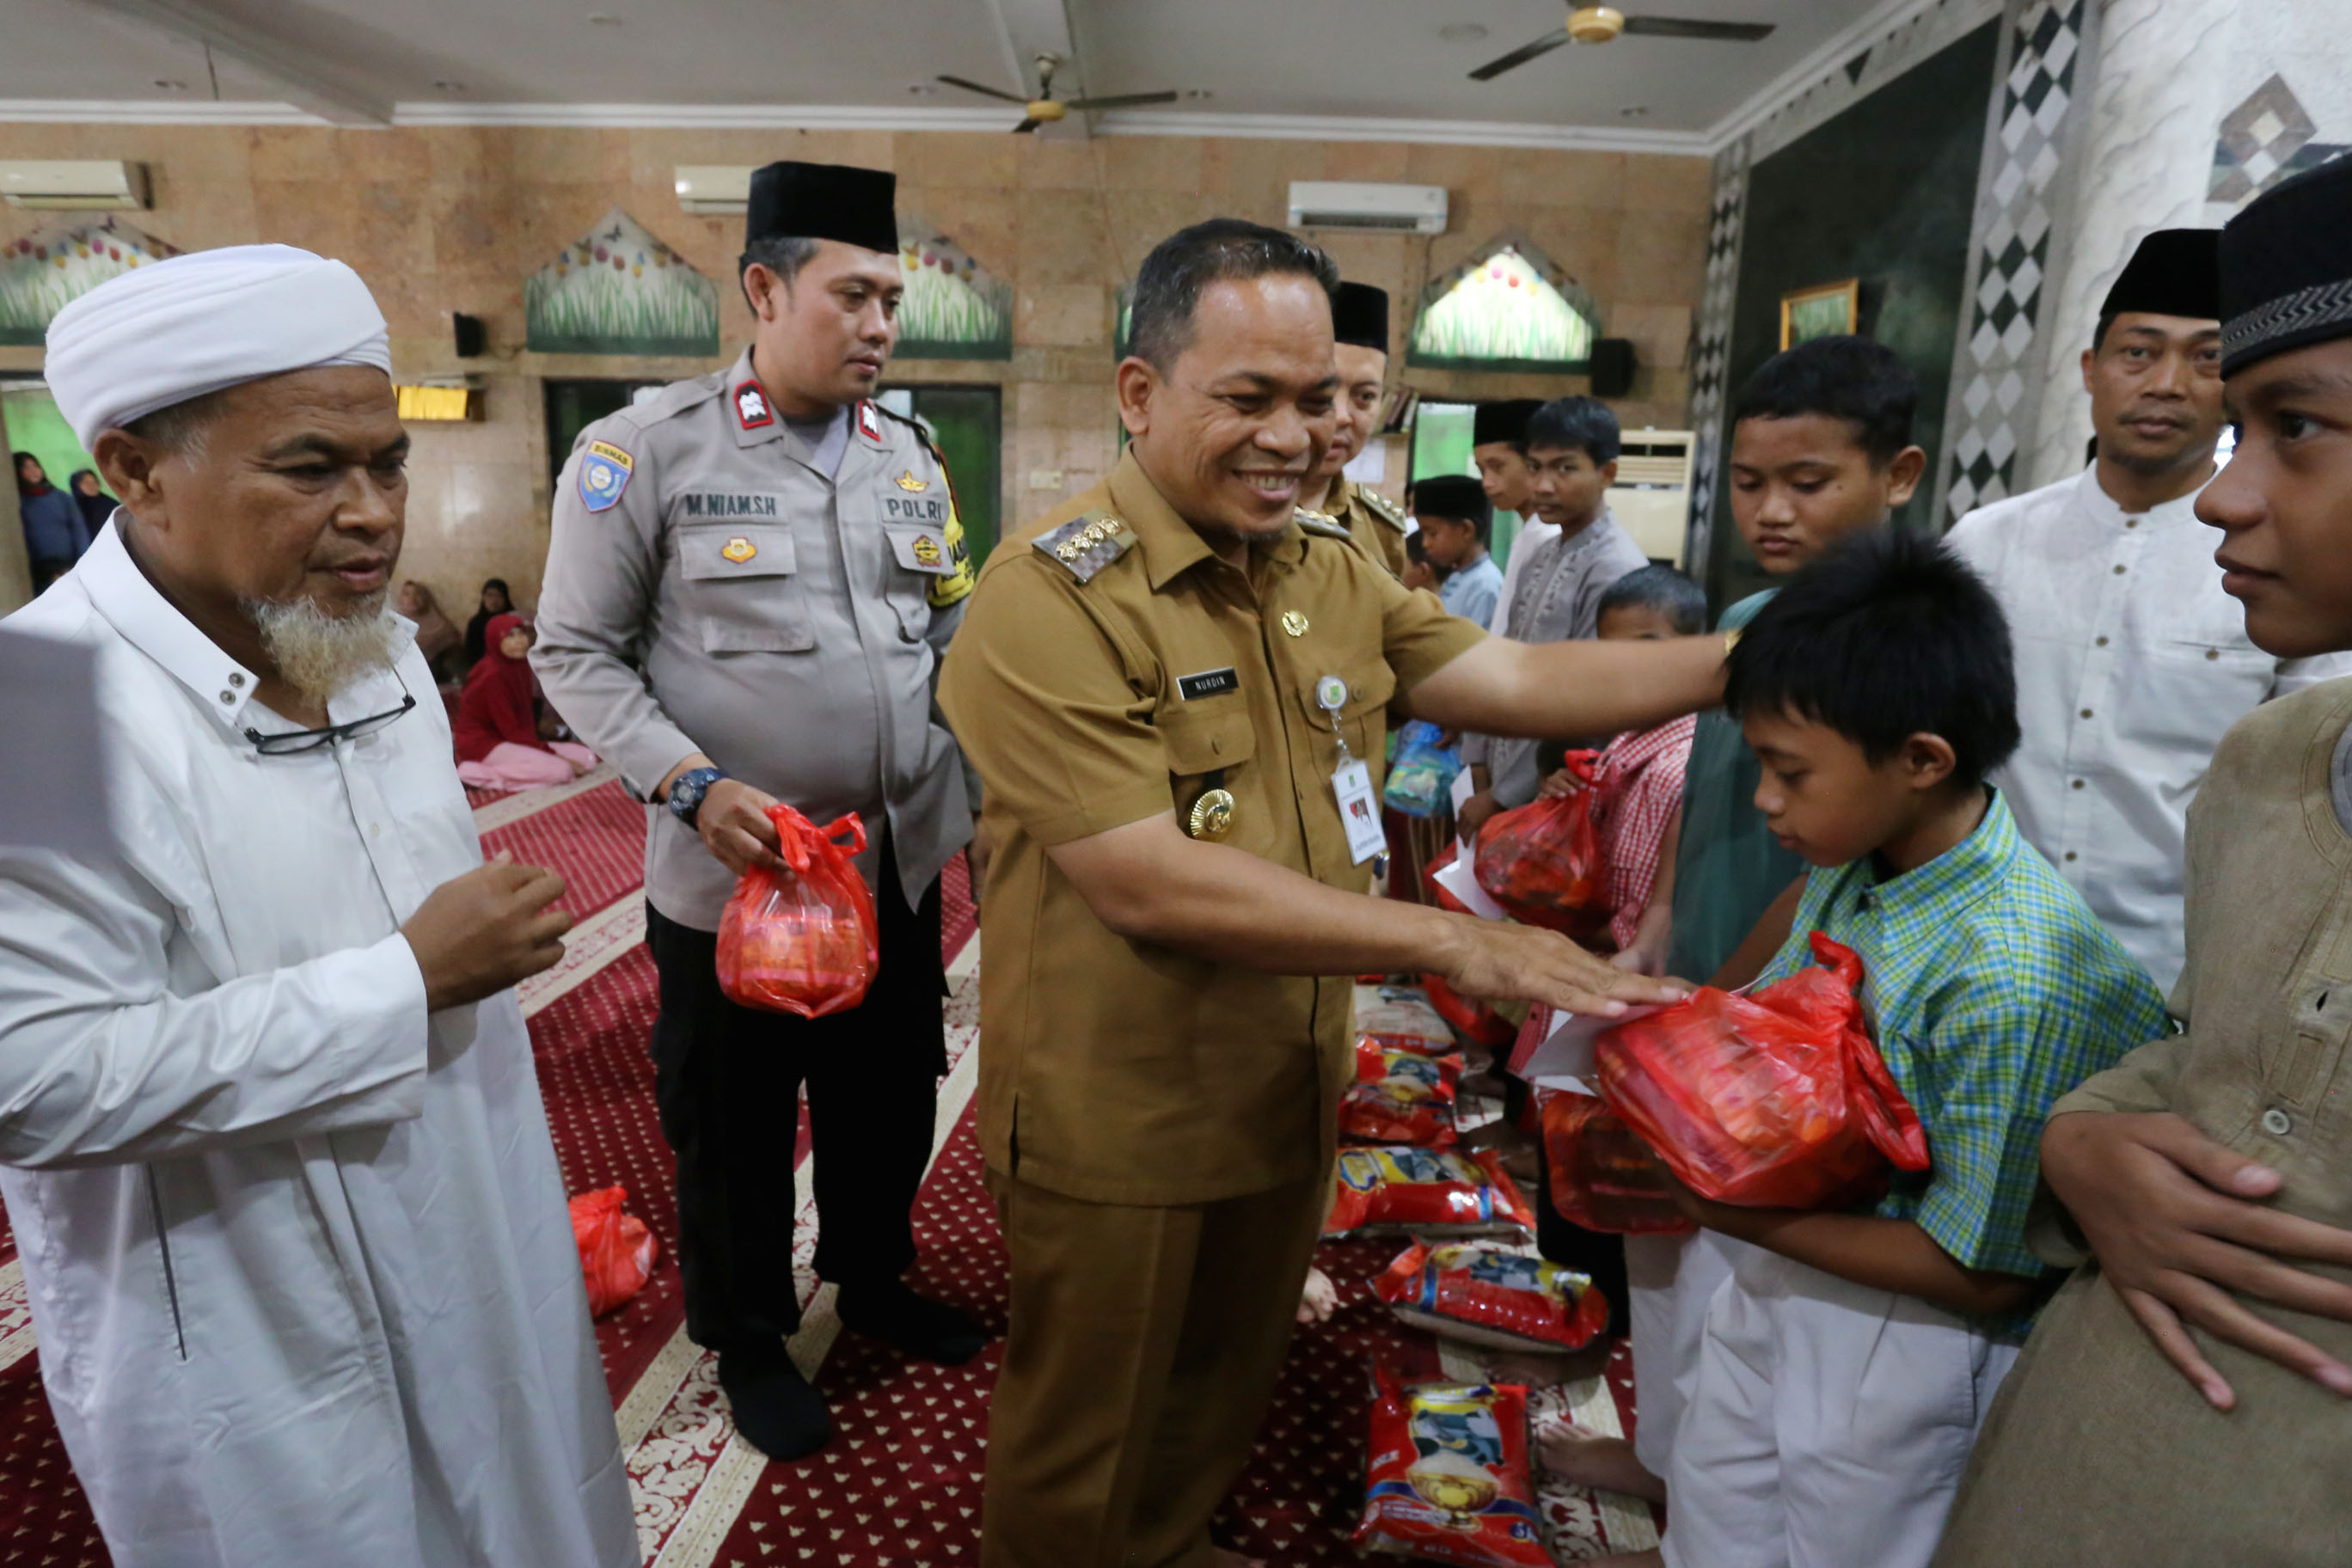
(296, 1250)
(1533, 530)
(2132, 664)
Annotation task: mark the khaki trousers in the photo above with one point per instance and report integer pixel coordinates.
(1145, 1343)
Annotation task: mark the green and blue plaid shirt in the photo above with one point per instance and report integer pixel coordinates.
(1993, 990)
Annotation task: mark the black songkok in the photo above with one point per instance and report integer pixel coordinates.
(1360, 315)
(1503, 421)
(2286, 268)
(824, 201)
(2175, 272)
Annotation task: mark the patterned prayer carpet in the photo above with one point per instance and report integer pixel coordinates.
(900, 1485)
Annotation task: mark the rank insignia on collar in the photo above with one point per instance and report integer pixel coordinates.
(926, 549)
(739, 550)
(751, 408)
(907, 482)
(603, 474)
(869, 424)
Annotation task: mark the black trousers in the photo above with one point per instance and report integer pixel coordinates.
(727, 1081)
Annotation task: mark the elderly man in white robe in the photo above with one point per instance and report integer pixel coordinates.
(269, 1135)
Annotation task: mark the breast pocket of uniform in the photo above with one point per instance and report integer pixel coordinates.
(919, 559)
(745, 589)
(1211, 746)
(1363, 712)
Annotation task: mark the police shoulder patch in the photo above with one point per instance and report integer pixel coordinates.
(1088, 544)
(1323, 523)
(605, 473)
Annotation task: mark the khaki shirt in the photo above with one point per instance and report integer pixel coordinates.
(1112, 668)
(1373, 519)
(709, 590)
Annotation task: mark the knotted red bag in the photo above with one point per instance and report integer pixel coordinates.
(616, 1250)
(1542, 861)
(1776, 1100)
(804, 940)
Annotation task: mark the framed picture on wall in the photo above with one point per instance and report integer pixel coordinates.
(1824, 311)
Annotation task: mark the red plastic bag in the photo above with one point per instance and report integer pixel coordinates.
(1776, 1100)
(1448, 1478)
(1400, 1097)
(1601, 1176)
(1542, 861)
(804, 940)
(1396, 1190)
(1490, 1296)
(616, 1250)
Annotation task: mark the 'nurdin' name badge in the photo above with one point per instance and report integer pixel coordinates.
(907, 482)
(739, 550)
(1208, 683)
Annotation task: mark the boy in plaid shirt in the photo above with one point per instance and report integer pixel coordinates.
(1851, 1357)
(1638, 777)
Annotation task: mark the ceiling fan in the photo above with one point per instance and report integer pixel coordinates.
(1045, 108)
(1601, 24)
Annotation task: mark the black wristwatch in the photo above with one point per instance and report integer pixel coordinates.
(686, 792)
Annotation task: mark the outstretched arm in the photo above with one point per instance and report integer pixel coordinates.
(1575, 687)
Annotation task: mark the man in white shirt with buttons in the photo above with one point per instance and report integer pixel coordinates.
(2132, 663)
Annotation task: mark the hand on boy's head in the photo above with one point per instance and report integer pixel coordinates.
(2284, 501)
(1801, 483)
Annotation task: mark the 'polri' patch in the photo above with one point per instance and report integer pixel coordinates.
(603, 474)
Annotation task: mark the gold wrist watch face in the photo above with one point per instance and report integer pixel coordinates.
(1212, 816)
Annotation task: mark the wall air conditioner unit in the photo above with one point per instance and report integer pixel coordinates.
(1395, 209)
(713, 187)
(1651, 500)
(87, 185)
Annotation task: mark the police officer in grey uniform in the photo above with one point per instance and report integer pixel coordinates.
(751, 579)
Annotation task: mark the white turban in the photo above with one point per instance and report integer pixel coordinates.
(179, 329)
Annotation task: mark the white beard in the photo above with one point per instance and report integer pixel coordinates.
(318, 654)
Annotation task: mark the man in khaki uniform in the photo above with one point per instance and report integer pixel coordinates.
(1360, 324)
(1176, 687)
(751, 577)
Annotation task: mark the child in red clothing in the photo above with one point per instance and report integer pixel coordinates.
(1638, 777)
(502, 743)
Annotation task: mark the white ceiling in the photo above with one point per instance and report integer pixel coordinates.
(1367, 60)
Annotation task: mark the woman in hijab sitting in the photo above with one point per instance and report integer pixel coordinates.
(96, 506)
(55, 536)
(496, 601)
(437, 636)
(502, 743)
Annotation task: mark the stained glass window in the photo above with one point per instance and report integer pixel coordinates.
(619, 290)
(953, 308)
(1508, 309)
(40, 272)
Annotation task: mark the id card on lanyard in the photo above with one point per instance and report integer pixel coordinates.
(1352, 781)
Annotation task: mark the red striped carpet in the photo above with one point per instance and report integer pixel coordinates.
(900, 1486)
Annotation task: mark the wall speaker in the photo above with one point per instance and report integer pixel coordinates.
(1612, 367)
(471, 337)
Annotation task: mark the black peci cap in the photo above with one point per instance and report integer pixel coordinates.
(2286, 268)
(1360, 315)
(1503, 421)
(2175, 272)
(824, 201)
